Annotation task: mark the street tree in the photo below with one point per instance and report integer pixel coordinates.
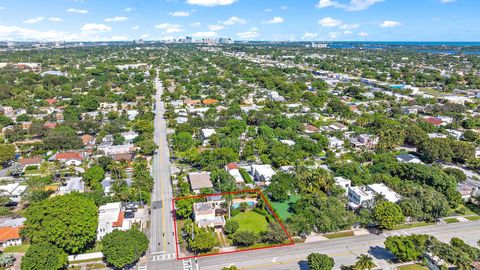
(388, 214)
(317, 261)
(364, 262)
(44, 256)
(122, 248)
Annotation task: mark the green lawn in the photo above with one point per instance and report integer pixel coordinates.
(412, 267)
(474, 208)
(339, 235)
(473, 218)
(283, 208)
(412, 225)
(16, 249)
(251, 221)
(450, 220)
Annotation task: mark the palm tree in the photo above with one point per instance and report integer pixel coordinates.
(364, 262)
(228, 196)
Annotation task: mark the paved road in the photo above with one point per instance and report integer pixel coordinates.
(162, 243)
(344, 250)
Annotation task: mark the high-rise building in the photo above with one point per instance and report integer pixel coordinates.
(225, 40)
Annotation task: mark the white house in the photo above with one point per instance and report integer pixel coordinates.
(204, 215)
(74, 184)
(13, 191)
(335, 143)
(111, 217)
(343, 183)
(365, 195)
(262, 173)
(408, 158)
(207, 133)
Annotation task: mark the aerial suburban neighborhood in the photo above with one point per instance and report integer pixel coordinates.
(205, 152)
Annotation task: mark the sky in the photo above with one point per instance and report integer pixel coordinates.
(300, 20)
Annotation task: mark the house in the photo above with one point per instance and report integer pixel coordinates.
(69, 158)
(74, 184)
(129, 136)
(477, 152)
(199, 180)
(13, 191)
(109, 149)
(335, 143)
(262, 173)
(111, 216)
(207, 133)
(364, 196)
(273, 95)
(33, 161)
(456, 134)
(434, 121)
(232, 169)
(408, 158)
(364, 141)
(343, 183)
(10, 236)
(338, 127)
(311, 129)
(191, 103)
(204, 216)
(216, 201)
(88, 140)
(209, 101)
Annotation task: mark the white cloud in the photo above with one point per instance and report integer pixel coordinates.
(446, 1)
(386, 24)
(116, 19)
(34, 20)
(252, 33)
(363, 34)
(74, 10)
(145, 36)
(329, 22)
(136, 27)
(119, 38)
(354, 5)
(333, 35)
(276, 20)
(310, 35)
(215, 27)
(349, 26)
(128, 9)
(347, 32)
(208, 34)
(283, 7)
(93, 28)
(55, 19)
(195, 24)
(2, 8)
(179, 14)
(357, 5)
(234, 20)
(211, 3)
(268, 10)
(170, 28)
(24, 34)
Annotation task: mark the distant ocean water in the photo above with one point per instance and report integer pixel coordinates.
(438, 47)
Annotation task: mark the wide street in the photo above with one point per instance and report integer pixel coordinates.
(343, 250)
(162, 243)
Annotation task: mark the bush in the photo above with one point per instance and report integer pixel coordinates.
(31, 167)
(44, 256)
(231, 227)
(245, 176)
(260, 211)
(245, 238)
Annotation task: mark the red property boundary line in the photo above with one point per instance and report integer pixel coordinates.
(256, 191)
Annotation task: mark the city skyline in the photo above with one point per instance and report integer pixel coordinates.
(312, 20)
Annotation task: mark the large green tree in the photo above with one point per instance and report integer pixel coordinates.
(317, 261)
(44, 256)
(7, 152)
(68, 222)
(388, 214)
(122, 248)
(93, 176)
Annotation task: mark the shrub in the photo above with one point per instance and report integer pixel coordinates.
(231, 227)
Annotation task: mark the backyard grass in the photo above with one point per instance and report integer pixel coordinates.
(473, 218)
(251, 221)
(450, 220)
(412, 225)
(339, 235)
(474, 208)
(412, 267)
(283, 208)
(16, 249)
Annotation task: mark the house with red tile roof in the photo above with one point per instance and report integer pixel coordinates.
(434, 121)
(51, 101)
(69, 158)
(10, 236)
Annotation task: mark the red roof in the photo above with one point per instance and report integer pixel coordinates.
(9, 233)
(50, 125)
(30, 161)
(434, 121)
(231, 166)
(119, 221)
(51, 101)
(69, 156)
